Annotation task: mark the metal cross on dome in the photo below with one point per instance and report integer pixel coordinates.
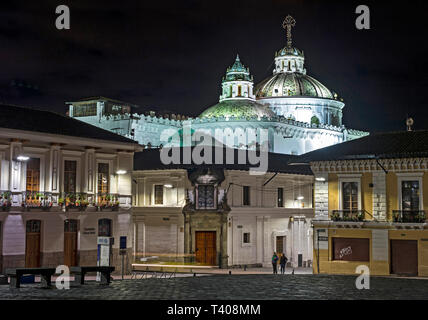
(288, 23)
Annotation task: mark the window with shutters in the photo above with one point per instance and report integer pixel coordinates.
(103, 178)
(350, 196)
(246, 195)
(159, 194)
(280, 197)
(104, 228)
(410, 195)
(33, 174)
(70, 176)
(85, 110)
(246, 237)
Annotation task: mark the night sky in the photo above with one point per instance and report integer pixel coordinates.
(172, 55)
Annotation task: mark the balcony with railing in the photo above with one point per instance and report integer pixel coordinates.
(107, 202)
(65, 201)
(37, 200)
(5, 200)
(409, 216)
(348, 215)
(74, 201)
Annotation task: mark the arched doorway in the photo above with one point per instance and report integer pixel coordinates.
(32, 244)
(70, 242)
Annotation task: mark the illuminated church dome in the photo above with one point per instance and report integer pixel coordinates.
(291, 93)
(237, 98)
(289, 76)
(285, 84)
(289, 113)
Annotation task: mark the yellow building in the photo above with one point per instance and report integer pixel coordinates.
(370, 199)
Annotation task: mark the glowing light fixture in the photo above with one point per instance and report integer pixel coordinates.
(22, 158)
(120, 171)
(322, 179)
(169, 186)
(300, 197)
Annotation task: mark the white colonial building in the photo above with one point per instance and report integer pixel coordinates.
(63, 183)
(220, 215)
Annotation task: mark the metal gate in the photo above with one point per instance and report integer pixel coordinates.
(404, 257)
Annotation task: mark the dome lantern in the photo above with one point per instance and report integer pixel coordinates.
(238, 83)
(289, 59)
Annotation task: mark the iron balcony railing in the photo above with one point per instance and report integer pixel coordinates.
(5, 200)
(107, 201)
(409, 216)
(348, 215)
(37, 199)
(74, 200)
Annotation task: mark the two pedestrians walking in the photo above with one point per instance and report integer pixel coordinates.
(282, 261)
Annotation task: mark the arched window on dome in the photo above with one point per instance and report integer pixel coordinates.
(315, 120)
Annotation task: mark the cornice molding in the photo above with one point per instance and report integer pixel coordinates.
(371, 165)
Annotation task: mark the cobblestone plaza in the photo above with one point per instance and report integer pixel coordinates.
(232, 287)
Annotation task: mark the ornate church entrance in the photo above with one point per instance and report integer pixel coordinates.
(205, 247)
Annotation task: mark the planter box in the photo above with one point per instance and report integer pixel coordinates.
(75, 209)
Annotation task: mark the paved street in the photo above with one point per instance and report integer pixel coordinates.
(222, 287)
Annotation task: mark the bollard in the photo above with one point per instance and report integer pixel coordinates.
(230, 272)
(194, 274)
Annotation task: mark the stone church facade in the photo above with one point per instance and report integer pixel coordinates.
(220, 216)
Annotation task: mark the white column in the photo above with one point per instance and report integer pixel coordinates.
(140, 238)
(267, 247)
(54, 170)
(259, 239)
(379, 195)
(89, 169)
(321, 197)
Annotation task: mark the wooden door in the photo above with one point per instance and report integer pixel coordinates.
(32, 250)
(404, 257)
(205, 247)
(280, 245)
(32, 244)
(70, 243)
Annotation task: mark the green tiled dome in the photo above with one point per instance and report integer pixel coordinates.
(237, 72)
(287, 84)
(238, 109)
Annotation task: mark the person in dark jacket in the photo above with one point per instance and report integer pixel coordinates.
(283, 262)
(275, 263)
